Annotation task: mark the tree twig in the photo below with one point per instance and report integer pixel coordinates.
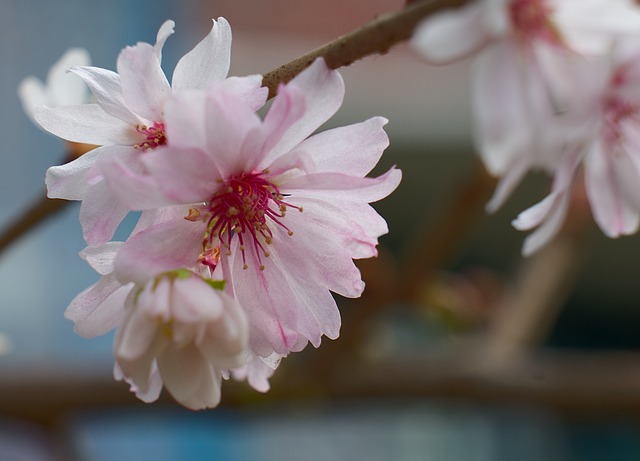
(375, 37)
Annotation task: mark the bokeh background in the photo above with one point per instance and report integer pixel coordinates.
(412, 377)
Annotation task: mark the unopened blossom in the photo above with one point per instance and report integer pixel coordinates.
(128, 118)
(529, 54)
(607, 152)
(219, 337)
(100, 308)
(61, 88)
(189, 330)
(277, 214)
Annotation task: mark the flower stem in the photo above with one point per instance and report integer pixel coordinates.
(375, 37)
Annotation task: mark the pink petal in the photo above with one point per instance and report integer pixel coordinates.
(332, 186)
(228, 124)
(318, 249)
(257, 373)
(134, 190)
(100, 258)
(98, 309)
(189, 378)
(352, 150)
(269, 302)
(359, 224)
(167, 246)
(208, 62)
(611, 181)
(137, 345)
(185, 176)
(87, 123)
(248, 88)
(287, 108)
(323, 89)
(100, 214)
(451, 35)
(69, 181)
(153, 383)
(144, 85)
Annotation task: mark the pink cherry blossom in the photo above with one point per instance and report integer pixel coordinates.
(530, 53)
(278, 215)
(128, 120)
(609, 152)
(180, 329)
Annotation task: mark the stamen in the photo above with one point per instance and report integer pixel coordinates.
(154, 134)
(244, 208)
(531, 21)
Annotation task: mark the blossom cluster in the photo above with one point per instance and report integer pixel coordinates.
(247, 224)
(556, 86)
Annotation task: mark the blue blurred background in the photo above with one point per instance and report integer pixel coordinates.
(57, 395)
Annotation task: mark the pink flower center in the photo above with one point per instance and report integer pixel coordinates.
(616, 113)
(531, 21)
(244, 208)
(154, 134)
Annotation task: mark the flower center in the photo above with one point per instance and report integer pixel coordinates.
(616, 113)
(244, 207)
(154, 134)
(530, 19)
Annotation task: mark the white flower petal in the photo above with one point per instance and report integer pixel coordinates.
(144, 85)
(557, 210)
(189, 378)
(87, 123)
(69, 181)
(165, 31)
(451, 35)
(32, 94)
(99, 308)
(208, 61)
(502, 131)
(105, 86)
(100, 258)
(611, 183)
(65, 89)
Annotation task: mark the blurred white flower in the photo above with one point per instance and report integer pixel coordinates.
(62, 88)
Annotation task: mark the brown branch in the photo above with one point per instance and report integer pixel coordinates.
(43, 208)
(376, 37)
(34, 215)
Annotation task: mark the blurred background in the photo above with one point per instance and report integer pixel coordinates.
(459, 349)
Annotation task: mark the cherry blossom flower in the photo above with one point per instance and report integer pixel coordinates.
(61, 88)
(128, 120)
(182, 330)
(609, 152)
(190, 317)
(279, 216)
(529, 54)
